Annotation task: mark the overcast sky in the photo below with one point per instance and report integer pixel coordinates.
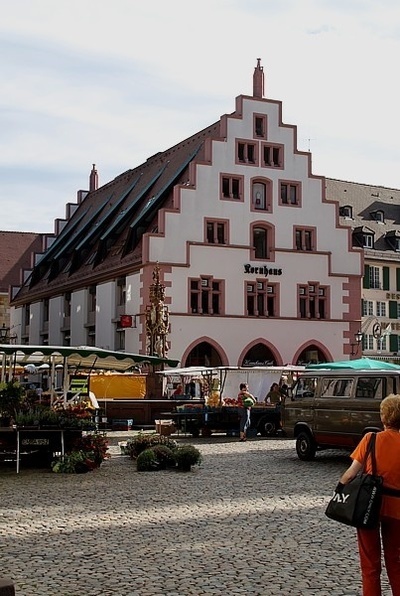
(113, 82)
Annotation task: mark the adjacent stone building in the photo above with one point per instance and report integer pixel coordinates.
(17, 252)
(373, 215)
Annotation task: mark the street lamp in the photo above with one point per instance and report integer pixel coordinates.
(358, 339)
(4, 333)
(5, 337)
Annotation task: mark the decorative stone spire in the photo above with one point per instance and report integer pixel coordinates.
(94, 179)
(157, 318)
(258, 80)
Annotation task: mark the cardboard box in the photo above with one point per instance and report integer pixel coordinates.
(165, 427)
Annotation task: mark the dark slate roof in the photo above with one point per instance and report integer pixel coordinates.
(104, 233)
(365, 201)
(17, 250)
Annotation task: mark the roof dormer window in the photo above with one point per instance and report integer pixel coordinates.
(378, 216)
(392, 239)
(368, 240)
(363, 237)
(346, 211)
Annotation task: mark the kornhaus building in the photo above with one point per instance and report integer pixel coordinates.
(259, 260)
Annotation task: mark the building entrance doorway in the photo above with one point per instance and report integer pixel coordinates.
(259, 355)
(203, 355)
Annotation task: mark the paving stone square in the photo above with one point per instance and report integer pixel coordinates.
(249, 520)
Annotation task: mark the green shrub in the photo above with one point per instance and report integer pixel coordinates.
(186, 456)
(146, 461)
(165, 456)
(142, 441)
(73, 463)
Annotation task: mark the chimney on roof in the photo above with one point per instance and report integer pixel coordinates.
(258, 80)
(93, 179)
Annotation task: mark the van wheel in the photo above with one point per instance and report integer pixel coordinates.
(267, 428)
(305, 446)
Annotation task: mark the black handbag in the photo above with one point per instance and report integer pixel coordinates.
(358, 504)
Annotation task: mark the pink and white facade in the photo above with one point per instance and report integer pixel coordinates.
(256, 266)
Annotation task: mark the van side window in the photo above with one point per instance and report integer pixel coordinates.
(390, 386)
(369, 388)
(305, 388)
(336, 387)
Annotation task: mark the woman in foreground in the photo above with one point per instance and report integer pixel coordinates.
(387, 452)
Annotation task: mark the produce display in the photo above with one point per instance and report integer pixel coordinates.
(230, 401)
(213, 400)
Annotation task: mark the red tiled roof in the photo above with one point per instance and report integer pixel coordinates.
(16, 252)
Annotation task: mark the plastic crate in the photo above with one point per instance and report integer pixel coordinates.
(122, 424)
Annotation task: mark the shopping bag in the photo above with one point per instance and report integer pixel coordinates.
(358, 503)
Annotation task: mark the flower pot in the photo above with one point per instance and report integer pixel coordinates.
(81, 468)
(184, 467)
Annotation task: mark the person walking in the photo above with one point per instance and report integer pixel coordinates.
(387, 450)
(245, 402)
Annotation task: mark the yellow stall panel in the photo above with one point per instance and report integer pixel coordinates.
(117, 386)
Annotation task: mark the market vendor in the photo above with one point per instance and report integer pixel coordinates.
(274, 395)
(178, 391)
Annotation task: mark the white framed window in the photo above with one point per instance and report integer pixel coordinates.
(374, 278)
(368, 240)
(381, 344)
(380, 309)
(368, 308)
(368, 342)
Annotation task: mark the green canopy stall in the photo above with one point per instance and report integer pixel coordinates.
(358, 364)
(73, 357)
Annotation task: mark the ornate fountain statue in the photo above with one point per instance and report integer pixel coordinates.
(157, 318)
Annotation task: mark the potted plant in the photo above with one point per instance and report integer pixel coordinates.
(11, 397)
(27, 420)
(164, 455)
(142, 441)
(96, 445)
(187, 456)
(76, 462)
(147, 461)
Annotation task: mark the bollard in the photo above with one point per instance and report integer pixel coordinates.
(6, 587)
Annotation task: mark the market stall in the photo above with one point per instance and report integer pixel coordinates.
(217, 408)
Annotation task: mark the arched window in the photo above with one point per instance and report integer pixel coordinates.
(261, 195)
(260, 243)
(262, 237)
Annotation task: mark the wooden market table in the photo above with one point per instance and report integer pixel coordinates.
(27, 441)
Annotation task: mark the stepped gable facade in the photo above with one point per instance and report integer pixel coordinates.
(256, 265)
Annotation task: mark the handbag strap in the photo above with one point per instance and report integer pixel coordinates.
(371, 452)
(393, 492)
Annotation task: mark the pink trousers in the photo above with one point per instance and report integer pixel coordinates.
(369, 547)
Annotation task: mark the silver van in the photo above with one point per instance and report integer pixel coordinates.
(334, 409)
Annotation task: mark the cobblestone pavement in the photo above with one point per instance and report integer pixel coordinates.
(250, 520)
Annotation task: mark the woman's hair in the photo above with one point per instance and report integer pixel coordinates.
(390, 411)
(242, 386)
